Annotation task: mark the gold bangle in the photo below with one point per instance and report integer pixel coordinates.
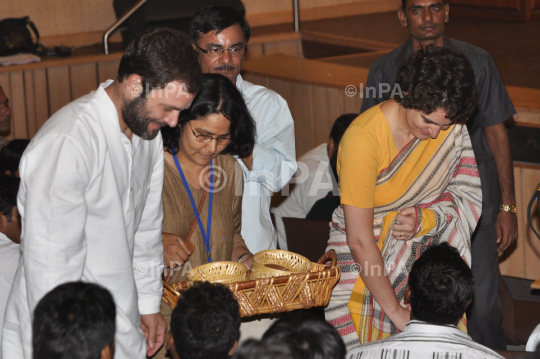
(508, 208)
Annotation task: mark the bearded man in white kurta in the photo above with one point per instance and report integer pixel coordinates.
(90, 195)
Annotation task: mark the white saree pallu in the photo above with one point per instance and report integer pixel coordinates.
(438, 177)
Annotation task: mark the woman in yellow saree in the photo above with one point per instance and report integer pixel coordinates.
(408, 179)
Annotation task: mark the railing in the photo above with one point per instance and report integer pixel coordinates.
(119, 22)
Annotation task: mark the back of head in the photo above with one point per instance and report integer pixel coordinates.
(10, 156)
(267, 349)
(216, 18)
(161, 56)
(9, 186)
(441, 285)
(311, 336)
(218, 95)
(340, 125)
(206, 322)
(74, 320)
(438, 78)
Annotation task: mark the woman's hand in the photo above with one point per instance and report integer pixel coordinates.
(400, 317)
(247, 260)
(405, 224)
(175, 250)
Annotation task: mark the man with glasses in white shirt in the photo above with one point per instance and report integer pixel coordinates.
(220, 35)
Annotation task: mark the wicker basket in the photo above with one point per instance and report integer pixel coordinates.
(276, 294)
(292, 262)
(218, 272)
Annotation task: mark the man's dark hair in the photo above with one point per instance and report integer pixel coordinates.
(10, 156)
(404, 4)
(9, 186)
(161, 56)
(216, 18)
(74, 320)
(268, 349)
(206, 322)
(438, 78)
(338, 129)
(441, 285)
(218, 95)
(310, 335)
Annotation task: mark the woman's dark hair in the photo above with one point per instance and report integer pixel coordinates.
(217, 96)
(216, 18)
(160, 56)
(438, 78)
(10, 156)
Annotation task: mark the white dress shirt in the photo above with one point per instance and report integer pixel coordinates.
(313, 180)
(10, 253)
(532, 343)
(90, 203)
(274, 163)
(421, 340)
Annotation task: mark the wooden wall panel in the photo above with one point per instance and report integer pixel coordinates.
(19, 128)
(59, 88)
(41, 96)
(289, 47)
(107, 70)
(83, 79)
(30, 104)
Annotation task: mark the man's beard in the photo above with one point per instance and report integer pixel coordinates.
(136, 118)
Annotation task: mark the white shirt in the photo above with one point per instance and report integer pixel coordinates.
(313, 180)
(90, 202)
(421, 340)
(10, 253)
(274, 163)
(532, 343)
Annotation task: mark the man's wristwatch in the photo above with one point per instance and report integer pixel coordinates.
(508, 208)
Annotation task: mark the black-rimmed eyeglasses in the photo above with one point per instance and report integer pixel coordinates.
(208, 138)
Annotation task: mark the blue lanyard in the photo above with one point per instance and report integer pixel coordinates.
(206, 235)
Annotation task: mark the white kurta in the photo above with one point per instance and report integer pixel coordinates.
(313, 180)
(90, 202)
(274, 162)
(10, 253)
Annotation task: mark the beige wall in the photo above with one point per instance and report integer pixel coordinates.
(58, 17)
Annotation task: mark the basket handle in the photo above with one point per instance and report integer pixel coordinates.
(330, 255)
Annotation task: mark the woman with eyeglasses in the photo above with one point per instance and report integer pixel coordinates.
(203, 184)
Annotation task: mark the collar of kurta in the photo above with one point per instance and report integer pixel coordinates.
(417, 326)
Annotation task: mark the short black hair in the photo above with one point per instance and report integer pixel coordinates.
(161, 56)
(206, 322)
(10, 155)
(218, 95)
(212, 18)
(268, 349)
(441, 285)
(313, 337)
(74, 320)
(338, 129)
(404, 4)
(436, 78)
(9, 186)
